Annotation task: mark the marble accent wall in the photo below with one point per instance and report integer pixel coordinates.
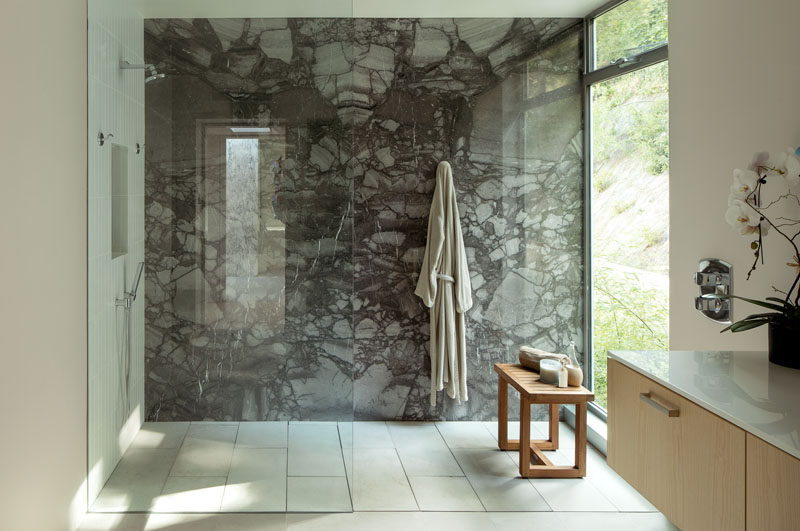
(359, 114)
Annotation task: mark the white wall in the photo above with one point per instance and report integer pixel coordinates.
(43, 265)
(734, 90)
(116, 106)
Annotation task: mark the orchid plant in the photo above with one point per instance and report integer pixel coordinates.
(754, 219)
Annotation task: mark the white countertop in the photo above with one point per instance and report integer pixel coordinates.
(744, 388)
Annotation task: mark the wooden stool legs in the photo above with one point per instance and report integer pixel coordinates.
(502, 414)
(580, 438)
(524, 437)
(532, 450)
(552, 427)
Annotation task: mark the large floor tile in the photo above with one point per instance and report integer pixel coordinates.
(460, 521)
(206, 451)
(416, 434)
(487, 462)
(262, 435)
(213, 430)
(137, 481)
(499, 493)
(466, 435)
(323, 461)
(371, 435)
(445, 494)
(315, 449)
(614, 487)
(418, 461)
(594, 521)
(314, 435)
(379, 482)
(391, 521)
(572, 495)
(320, 494)
(160, 435)
(112, 522)
(257, 481)
(216, 522)
(538, 429)
(494, 477)
(191, 495)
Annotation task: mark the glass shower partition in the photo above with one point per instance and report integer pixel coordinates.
(248, 209)
(237, 194)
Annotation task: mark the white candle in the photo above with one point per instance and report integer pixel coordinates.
(548, 371)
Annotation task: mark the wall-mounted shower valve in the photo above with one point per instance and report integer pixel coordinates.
(711, 303)
(714, 281)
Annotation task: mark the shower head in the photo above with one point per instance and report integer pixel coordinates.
(149, 68)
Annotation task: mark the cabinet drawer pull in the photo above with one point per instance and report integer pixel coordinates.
(661, 408)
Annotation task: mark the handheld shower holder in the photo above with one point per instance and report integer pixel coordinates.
(127, 299)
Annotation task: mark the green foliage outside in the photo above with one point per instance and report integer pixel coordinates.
(634, 112)
(630, 131)
(630, 29)
(627, 316)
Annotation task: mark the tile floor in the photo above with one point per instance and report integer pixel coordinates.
(392, 475)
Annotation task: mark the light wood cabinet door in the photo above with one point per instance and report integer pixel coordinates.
(773, 483)
(690, 466)
(712, 456)
(643, 442)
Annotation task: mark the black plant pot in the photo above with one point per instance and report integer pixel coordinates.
(784, 345)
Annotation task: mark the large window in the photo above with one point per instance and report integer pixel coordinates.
(628, 175)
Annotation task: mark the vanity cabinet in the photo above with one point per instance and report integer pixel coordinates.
(773, 483)
(687, 461)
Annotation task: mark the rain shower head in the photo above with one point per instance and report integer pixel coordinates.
(152, 73)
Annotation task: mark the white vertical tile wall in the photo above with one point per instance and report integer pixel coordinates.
(116, 106)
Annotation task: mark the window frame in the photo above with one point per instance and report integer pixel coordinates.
(591, 76)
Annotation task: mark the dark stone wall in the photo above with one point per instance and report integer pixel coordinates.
(286, 291)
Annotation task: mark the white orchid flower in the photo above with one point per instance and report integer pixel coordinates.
(778, 161)
(759, 159)
(792, 167)
(741, 216)
(787, 163)
(744, 184)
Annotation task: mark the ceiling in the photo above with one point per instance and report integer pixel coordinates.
(364, 8)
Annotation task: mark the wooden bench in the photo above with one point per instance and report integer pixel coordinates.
(532, 391)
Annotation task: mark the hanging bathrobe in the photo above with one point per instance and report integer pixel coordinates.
(444, 287)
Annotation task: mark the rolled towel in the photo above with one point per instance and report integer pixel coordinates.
(530, 357)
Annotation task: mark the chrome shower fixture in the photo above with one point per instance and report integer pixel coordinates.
(127, 300)
(149, 68)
